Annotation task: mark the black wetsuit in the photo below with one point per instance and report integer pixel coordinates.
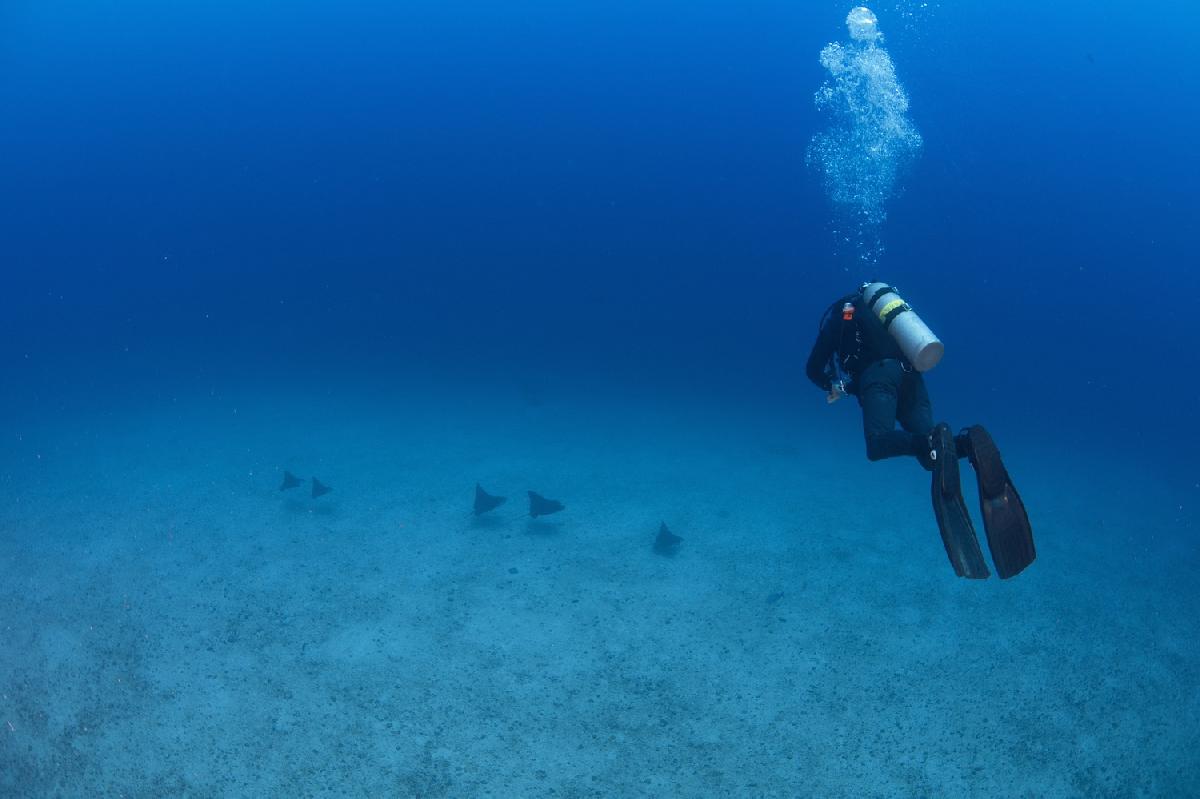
(888, 388)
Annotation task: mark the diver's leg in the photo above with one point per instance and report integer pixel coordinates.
(915, 412)
(879, 396)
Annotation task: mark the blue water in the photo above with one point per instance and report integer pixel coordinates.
(328, 176)
(544, 213)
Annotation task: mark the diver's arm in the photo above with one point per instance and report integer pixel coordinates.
(822, 351)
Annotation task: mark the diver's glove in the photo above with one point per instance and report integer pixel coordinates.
(837, 390)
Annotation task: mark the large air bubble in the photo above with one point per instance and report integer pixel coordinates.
(863, 25)
(870, 140)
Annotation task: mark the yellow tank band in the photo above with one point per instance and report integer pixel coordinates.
(887, 309)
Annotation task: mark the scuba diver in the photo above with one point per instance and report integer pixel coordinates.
(871, 344)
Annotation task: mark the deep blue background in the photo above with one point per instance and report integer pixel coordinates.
(596, 188)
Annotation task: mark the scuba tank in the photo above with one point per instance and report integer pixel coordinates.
(918, 343)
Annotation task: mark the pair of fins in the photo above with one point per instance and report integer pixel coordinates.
(1009, 534)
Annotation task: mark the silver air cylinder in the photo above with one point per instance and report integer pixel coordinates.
(916, 340)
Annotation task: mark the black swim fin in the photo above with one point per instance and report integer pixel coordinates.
(1009, 534)
(958, 534)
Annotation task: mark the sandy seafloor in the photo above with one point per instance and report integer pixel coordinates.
(171, 624)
